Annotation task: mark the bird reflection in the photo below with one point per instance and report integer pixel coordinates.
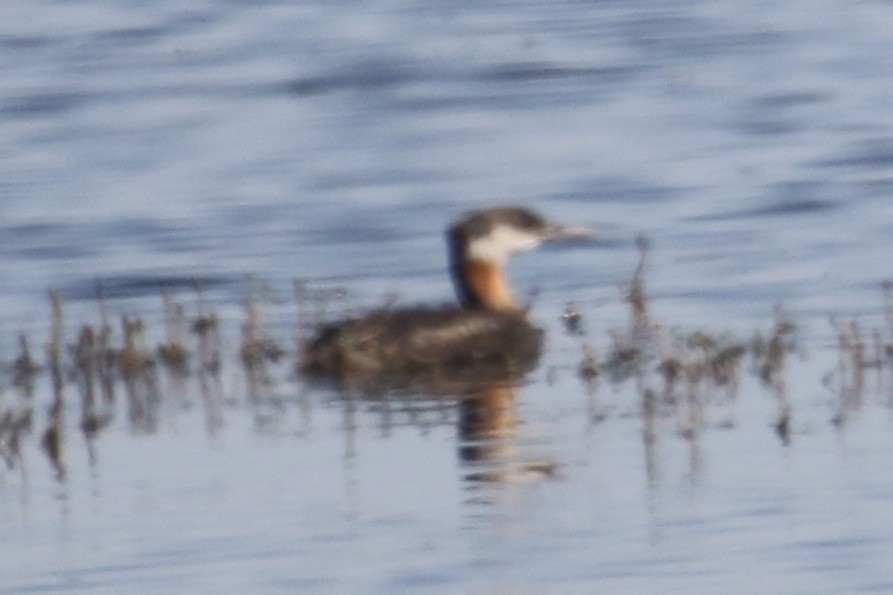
(488, 445)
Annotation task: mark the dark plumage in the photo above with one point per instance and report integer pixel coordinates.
(417, 343)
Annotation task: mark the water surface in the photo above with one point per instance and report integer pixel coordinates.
(154, 145)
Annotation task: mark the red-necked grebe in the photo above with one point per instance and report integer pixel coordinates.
(488, 332)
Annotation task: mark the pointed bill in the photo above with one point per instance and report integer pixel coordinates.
(560, 233)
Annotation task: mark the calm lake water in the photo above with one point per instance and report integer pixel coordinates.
(154, 144)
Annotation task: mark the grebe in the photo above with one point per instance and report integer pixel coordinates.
(489, 333)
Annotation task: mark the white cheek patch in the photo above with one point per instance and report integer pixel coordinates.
(500, 243)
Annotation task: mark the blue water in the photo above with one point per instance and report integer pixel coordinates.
(149, 145)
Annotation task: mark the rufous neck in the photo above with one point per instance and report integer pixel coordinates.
(480, 284)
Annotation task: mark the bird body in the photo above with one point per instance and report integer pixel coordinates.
(487, 334)
(420, 342)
